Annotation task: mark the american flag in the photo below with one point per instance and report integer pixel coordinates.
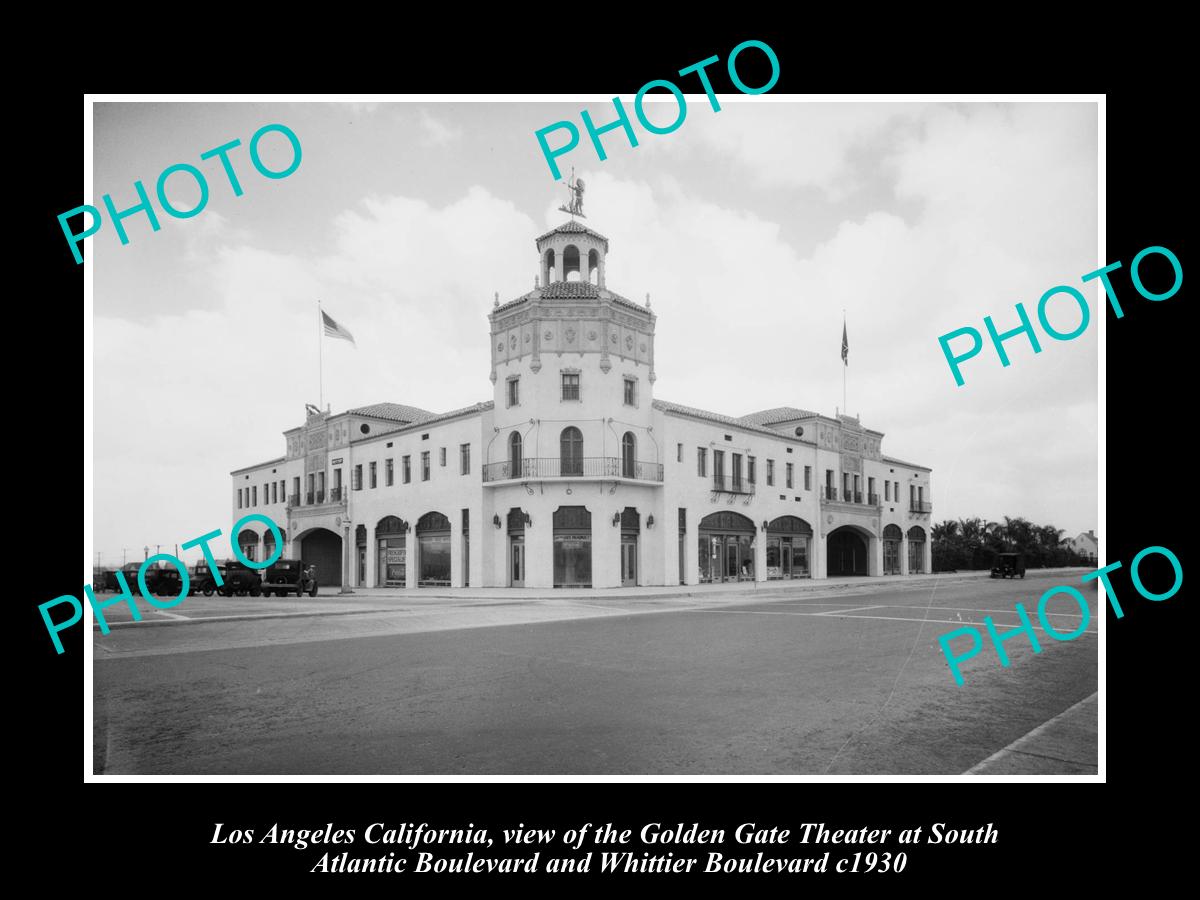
(845, 347)
(335, 330)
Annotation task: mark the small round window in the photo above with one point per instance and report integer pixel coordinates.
(799, 431)
(364, 428)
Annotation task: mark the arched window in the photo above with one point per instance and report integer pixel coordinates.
(571, 263)
(571, 451)
(628, 453)
(514, 455)
(593, 267)
(548, 271)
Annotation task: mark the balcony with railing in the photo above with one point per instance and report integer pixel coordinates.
(541, 467)
(335, 495)
(847, 499)
(922, 506)
(732, 484)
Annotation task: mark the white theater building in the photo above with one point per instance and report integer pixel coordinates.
(574, 475)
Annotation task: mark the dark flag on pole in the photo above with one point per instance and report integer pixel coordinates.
(845, 346)
(335, 330)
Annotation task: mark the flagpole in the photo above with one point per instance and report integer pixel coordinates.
(320, 359)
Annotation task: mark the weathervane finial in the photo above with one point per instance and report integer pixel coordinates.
(575, 189)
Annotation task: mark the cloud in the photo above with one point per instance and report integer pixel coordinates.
(435, 132)
(992, 205)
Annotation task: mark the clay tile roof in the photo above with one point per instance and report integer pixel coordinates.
(574, 227)
(395, 412)
(692, 411)
(776, 415)
(570, 290)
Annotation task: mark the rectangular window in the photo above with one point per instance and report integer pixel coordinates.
(406, 465)
(808, 478)
(374, 470)
(296, 488)
(570, 385)
(718, 466)
(735, 470)
(514, 391)
(788, 475)
(441, 456)
(389, 472)
(912, 495)
(631, 392)
(887, 490)
(356, 478)
(337, 479)
(770, 472)
(266, 493)
(464, 459)
(239, 498)
(701, 462)
(750, 466)
(870, 490)
(254, 495)
(424, 465)
(679, 452)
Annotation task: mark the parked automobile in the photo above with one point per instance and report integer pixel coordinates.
(202, 581)
(164, 582)
(104, 580)
(240, 579)
(1008, 565)
(287, 575)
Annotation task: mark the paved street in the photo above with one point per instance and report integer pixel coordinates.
(808, 678)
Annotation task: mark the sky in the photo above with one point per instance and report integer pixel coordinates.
(754, 230)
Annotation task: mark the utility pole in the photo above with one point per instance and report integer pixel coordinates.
(124, 550)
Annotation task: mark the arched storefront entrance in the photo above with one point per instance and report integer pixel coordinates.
(789, 540)
(323, 549)
(631, 528)
(391, 545)
(248, 543)
(726, 548)
(847, 552)
(572, 547)
(433, 549)
(916, 550)
(268, 540)
(892, 536)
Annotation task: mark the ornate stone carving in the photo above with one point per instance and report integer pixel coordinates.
(512, 342)
(549, 335)
(570, 335)
(591, 335)
(528, 337)
(629, 341)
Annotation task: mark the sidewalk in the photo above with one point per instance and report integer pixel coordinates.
(1065, 745)
(695, 591)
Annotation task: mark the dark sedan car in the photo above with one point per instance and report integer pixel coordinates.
(240, 579)
(1008, 565)
(288, 575)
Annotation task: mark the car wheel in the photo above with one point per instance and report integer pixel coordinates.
(207, 590)
(312, 591)
(241, 592)
(254, 592)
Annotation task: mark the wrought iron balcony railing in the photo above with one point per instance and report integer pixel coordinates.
(921, 506)
(572, 467)
(732, 484)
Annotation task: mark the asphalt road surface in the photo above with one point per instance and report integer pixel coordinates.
(845, 681)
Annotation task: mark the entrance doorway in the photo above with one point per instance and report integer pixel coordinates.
(788, 539)
(323, 549)
(847, 553)
(628, 560)
(516, 556)
(631, 527)
(572, 547)
(892, 536)
(726, 551)
(391, 568)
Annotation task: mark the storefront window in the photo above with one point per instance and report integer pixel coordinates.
(572, 560)
(435, 559)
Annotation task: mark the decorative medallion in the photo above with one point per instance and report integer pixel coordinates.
(591, 335)
(613, 338)
(500, 346)
(643, 347)
(548, 335)
(512, 342)
(570, 335)
(629, 341)
(528, 337)
(829, 519)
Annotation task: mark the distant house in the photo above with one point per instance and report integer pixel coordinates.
(1085, 544)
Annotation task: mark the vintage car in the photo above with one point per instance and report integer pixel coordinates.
(1008, 565)
(201, 578)
(164, 582)
(287, 575)
(240, 579)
